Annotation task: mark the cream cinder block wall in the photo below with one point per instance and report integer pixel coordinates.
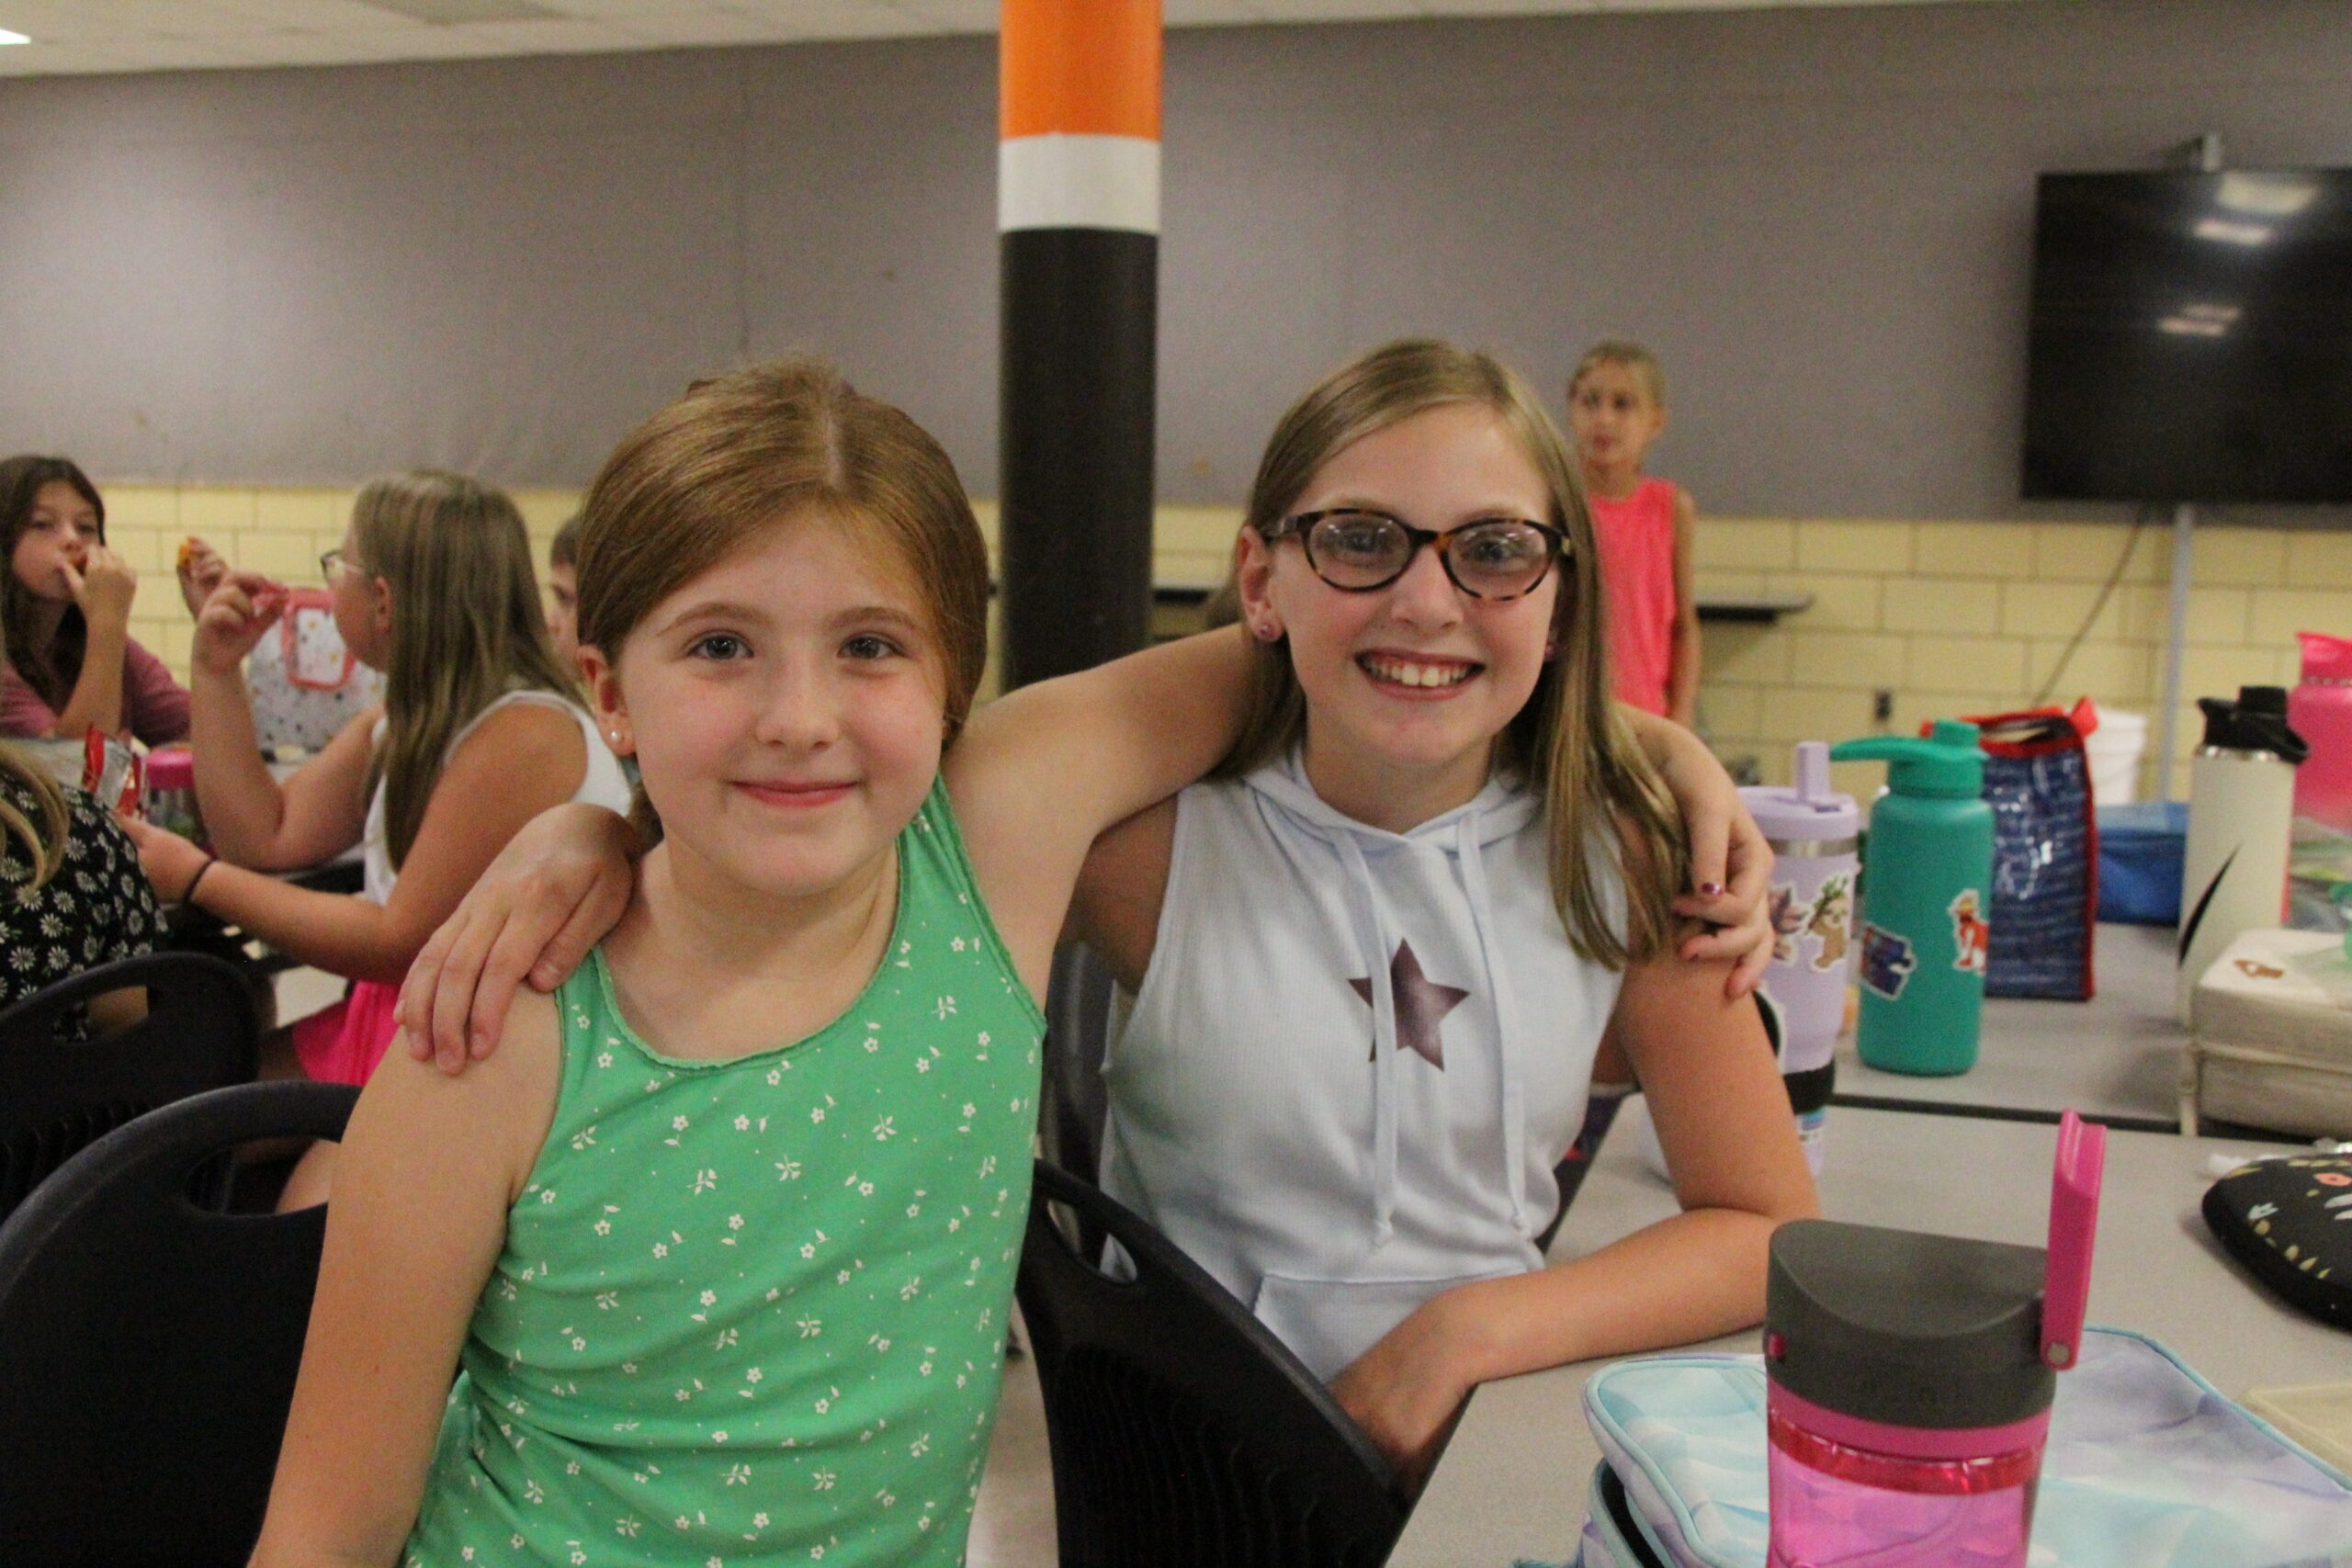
(283, 532)
(1973, 617)
(276, 530)
(1949, 617)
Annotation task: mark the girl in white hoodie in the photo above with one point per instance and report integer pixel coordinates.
(1373, 960)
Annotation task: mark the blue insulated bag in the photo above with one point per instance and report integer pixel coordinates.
(2147, 1466)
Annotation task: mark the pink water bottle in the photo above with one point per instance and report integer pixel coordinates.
(1910, 1377)
(2320, 710)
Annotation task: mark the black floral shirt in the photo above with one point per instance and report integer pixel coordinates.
(98, 907)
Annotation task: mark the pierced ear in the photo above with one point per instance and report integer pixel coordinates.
(604, 684)
(1253, 570)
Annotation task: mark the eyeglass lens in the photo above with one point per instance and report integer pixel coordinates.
(1495, 559)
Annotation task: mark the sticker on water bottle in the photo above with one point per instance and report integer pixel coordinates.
(1832, 921)
(1826, 919)
(1971, 935)
(1887, 961)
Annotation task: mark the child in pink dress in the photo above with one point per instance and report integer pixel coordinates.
(1644, 527)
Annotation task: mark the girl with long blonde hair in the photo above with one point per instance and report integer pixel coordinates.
(481, 727)
(1375, 960)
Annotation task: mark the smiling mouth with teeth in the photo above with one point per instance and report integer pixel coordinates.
(1413, 672)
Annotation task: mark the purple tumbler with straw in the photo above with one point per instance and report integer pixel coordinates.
(1910, 1379)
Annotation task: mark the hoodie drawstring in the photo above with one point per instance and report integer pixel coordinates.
(1470, 856)
(1372, 938)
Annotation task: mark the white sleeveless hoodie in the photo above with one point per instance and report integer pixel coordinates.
(1356, 1055)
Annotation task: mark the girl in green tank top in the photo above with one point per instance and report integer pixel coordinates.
(709, 1263)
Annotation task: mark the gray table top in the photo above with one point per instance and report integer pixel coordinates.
(1512, 1483)
(2116, 1054)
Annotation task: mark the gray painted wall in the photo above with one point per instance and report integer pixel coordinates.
(1819, 217)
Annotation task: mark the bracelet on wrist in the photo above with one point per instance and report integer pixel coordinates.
(188, 897)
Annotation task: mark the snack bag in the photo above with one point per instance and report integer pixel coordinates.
(112, 774)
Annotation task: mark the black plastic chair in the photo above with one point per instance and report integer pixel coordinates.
(59, 1092)
(1078, 1030)
(148, 1345)
(1184, 1435)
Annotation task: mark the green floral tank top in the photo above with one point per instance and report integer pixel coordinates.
(752, 1311)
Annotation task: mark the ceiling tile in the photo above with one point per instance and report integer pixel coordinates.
(79, 36)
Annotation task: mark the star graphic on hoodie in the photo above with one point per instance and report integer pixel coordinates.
(1421, 1003)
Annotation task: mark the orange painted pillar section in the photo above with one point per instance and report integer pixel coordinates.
(1078, 214)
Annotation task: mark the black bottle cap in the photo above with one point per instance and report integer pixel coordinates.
(2257, 721)
(1908, 1329)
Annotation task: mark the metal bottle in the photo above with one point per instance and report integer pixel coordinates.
(2241, 812)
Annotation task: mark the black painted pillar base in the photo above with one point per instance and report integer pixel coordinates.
(1081, 325)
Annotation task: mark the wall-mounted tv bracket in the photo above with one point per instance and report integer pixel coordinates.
(2203, 153)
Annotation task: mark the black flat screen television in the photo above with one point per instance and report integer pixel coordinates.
(2192, 337)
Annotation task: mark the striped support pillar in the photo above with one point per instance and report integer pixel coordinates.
(1077, 210)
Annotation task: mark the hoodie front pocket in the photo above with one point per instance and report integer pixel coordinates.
(1328, 1323)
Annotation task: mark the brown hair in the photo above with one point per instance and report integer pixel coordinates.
(467, 627)
(741, 453)
(50, 670)
(564, 549)
(1600, 792)
(1631, 356)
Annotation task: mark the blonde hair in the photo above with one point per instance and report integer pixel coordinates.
(467, 627)
(1579, 755)
(1633, 356)
(44, 840)
(748, 451)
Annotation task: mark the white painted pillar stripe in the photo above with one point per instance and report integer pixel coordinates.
(1057, 181)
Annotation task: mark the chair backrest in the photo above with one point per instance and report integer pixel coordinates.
(1185, 1434)
(1079, 1002)
(148, 1346)
(59, 1092)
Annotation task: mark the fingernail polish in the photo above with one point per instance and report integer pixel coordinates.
(1711, 889)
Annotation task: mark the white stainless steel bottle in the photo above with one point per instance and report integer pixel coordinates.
(2241, 811)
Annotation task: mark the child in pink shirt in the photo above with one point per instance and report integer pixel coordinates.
(1643, 526)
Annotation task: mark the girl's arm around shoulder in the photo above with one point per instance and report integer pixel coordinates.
(1039, 772)
(429, 1167)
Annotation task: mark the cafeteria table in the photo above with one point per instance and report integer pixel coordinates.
(1511, 1485)
(2116, 1057)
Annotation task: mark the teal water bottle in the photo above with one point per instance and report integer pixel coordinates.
(1927, 898)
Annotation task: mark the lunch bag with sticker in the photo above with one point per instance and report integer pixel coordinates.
(2146, 1466)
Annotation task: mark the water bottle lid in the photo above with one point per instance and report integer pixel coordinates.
(1807, 812)
(2256, 721)
(2325, 658)
(174, 768)
(1907, 1330)
(1946, 763)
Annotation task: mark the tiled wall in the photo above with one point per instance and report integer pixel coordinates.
(1949, 617)
(1974, 617)
(281, 532)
